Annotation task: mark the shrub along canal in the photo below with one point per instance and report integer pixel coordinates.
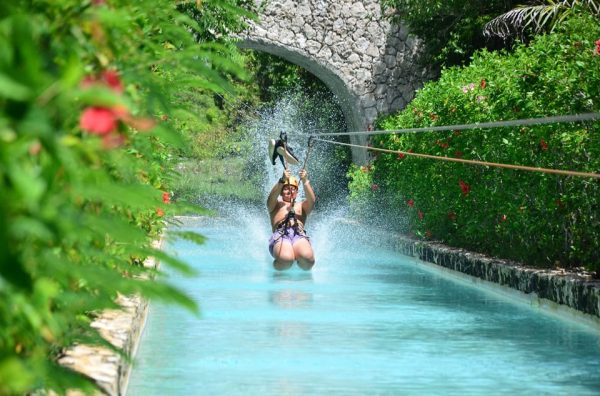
(366, 320)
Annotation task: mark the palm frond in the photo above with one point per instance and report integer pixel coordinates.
(537, 18)
(517, 20)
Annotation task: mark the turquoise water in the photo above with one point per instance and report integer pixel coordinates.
(365, 321)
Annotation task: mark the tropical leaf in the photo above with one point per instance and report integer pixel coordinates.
(536, 18)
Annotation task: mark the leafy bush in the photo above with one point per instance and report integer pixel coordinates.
(452, 29)
(539, 219)
(86, 155)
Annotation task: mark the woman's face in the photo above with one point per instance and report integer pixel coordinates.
(289, 192)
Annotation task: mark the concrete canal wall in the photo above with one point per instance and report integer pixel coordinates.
(572, 293)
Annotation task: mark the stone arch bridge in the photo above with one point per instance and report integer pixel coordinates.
(366, 61)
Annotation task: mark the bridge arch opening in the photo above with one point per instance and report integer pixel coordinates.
(348, 102)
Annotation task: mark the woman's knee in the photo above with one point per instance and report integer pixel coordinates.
(306, 263)
(282, 265)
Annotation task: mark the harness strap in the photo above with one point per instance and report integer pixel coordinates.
(284, 225)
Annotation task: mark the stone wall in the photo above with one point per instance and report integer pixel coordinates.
(123, 329)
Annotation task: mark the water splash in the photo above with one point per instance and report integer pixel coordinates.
(299, 115)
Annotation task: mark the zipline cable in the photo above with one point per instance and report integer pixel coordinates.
(310, 145)
(477, 125)
(471, 162)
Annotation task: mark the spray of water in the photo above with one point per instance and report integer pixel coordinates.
(329, 226)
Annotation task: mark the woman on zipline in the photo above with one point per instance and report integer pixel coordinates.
(289, 241)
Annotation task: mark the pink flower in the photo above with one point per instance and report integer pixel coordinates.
(35, 148)
(374, 187)
(421, 215)
(597, 49)
(468, 87)
(108, 78)
(465, 188)
(98, 120)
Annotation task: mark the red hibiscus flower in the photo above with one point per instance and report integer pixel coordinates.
(401, 156)
(166, 197)
(410, 203)
(458, 154)
(482, 84)
(98, 120)
(112, 80)
(465, 188)
(160, 212)
(543, 145)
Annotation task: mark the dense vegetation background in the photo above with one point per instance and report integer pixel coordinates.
(539, 219)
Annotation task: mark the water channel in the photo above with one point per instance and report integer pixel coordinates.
(365, 321)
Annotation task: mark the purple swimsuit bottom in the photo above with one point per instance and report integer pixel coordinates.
(290, 234)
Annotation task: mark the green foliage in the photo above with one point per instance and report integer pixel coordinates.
(89, 136)
(535, 218)
(276, 77)
(452, 30)
(218, 19)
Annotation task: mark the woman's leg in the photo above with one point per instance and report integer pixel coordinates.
(303, 253)
(283, 252)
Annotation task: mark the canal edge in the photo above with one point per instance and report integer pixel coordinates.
(567, 294)
(123, 328)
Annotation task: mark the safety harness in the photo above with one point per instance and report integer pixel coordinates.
(292, 222)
